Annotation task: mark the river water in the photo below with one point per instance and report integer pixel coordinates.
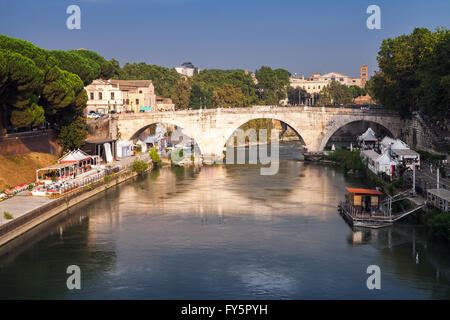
(225, 232)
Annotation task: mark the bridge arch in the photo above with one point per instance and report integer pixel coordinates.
(237, 124)
(139, 129)
(335, 128)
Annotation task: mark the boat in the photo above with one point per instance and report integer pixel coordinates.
(366, 208)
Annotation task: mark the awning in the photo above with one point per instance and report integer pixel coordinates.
(365, 191)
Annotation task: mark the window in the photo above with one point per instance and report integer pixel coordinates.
(112, 95)
(100, 96)
(140, 91)
(341, 79)
(92, 96)
(128, 101)
(318, 87)
(137, 101)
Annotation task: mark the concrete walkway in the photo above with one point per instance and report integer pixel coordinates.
(21, 204)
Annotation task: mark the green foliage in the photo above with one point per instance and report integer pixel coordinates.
(156, 158)
(427, 156)
(181, 93)
(210, 80)
(30, 187)
(297, 95)
(357, 91)
(274, 83)
(7, 215)
(38, 85)
(106, 179)
(335, 93)
(163, 79)
(72, 136)
(347, 159)
(228, 96)
(414, 73)
(139, 166)
(439, 222)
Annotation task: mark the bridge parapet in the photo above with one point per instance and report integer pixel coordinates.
(211, 128)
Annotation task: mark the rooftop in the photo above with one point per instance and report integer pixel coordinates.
(441, 193)
(365, 191)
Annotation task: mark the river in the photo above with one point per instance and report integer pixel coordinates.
(225, 232)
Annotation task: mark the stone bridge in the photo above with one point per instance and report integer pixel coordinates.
(211, 128)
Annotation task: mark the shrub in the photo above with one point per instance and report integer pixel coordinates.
(30, 187)
(7, 215)
(156, 158)
(139, 166)
(106, 179)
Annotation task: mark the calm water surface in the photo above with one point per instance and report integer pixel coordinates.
(225, 232)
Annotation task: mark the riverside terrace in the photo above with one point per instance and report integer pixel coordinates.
(22, 203)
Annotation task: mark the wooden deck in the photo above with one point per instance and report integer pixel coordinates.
(367, 220)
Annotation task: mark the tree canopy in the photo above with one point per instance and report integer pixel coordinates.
(414, 73)
(37, 84)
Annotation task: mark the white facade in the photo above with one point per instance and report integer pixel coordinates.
(106, 96)
(189, 72)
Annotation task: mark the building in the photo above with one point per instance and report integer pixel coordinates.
(379, 163)
(117, 96)
(367, 99)
(400, 152)
(164, 104)
(315, 82)
(439, 198)
(187, 69)
(364, 75)
(368, 139)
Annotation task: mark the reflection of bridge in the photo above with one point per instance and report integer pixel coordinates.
(212, 128)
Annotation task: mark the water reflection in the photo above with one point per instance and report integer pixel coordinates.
(225, 232)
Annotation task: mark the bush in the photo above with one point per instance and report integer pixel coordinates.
(156, 158)
(30, 187)
(7, 215)
(139, 166)
(439, 222)
(106, 179)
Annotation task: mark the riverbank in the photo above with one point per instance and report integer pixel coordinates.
(351, 163)
(38, 210)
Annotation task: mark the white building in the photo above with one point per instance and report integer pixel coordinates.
(399, 151)
(379, 163)
(105, 96)
(187, 69)
(316, 82)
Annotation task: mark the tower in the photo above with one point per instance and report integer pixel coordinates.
(364, 75)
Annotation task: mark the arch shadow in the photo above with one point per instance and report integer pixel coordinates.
(332, 132)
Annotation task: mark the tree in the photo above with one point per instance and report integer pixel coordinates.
(274, 83)
(335, 93)
(164, 79)
(181, 94)
(297, 95)
(197, 98)
(357, 91)
(414, 71)
(20, 83)
(228, 96)
(72, 136)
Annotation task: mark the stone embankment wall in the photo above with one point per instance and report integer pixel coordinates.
(29, 221)
(35, 141)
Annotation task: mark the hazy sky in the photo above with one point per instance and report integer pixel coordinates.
(300, 36)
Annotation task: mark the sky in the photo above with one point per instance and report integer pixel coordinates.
(300, 36)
